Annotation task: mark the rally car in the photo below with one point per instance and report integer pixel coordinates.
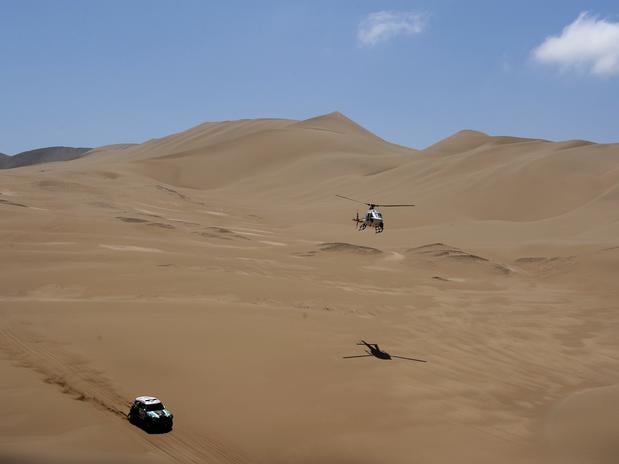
(150, 414)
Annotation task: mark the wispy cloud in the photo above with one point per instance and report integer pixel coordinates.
(589, 44)
(384, 25)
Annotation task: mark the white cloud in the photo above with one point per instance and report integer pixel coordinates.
(384, 25)
(589, 44)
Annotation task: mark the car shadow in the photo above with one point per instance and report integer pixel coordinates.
(149, 430)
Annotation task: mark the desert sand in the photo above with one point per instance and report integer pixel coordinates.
(216, 269)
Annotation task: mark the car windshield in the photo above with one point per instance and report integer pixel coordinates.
(154, 407)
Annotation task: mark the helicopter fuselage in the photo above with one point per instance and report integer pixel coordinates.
(373, 218)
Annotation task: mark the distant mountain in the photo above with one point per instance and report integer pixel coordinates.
(41, 155)
(3, 160)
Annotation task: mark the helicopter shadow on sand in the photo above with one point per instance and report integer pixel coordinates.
(375, 351)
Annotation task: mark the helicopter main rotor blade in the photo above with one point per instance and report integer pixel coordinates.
(410, 359)
(360, 356)
(372, 205)
(352, 199)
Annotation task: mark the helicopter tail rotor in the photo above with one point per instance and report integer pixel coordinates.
(357, 221)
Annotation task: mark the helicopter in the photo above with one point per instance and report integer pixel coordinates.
(373, 218)
(375, 351)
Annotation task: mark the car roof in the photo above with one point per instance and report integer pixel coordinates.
(147, 399)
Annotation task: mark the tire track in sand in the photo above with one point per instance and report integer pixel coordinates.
(87, 385)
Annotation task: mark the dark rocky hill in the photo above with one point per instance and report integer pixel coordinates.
(41, 155)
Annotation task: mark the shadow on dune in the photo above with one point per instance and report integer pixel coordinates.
(441, 254)
(31, 459)
(349, 248)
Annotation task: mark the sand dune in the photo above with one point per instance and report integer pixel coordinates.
(215, 268)
(581, 428)
(445, 260)
(273, 148)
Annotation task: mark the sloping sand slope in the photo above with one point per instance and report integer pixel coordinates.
(216, 269)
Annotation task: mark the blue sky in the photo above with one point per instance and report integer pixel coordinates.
(88, 73)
